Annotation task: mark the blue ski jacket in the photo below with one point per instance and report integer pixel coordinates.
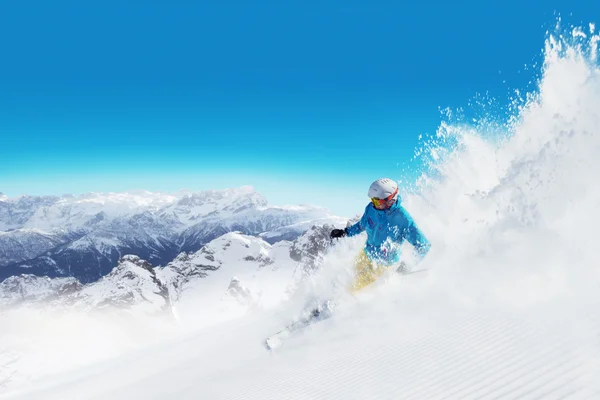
(386, 231)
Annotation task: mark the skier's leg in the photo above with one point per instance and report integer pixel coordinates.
(316, 314)
(366, 272)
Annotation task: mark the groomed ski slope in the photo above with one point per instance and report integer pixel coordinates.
(386, 344)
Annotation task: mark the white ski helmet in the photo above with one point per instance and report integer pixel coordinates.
(383, 188)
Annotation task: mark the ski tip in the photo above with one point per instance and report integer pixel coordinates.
(273, 343)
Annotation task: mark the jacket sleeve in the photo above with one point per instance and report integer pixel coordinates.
(414, 235)
(359, 226)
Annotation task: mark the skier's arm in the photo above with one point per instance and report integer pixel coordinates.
(358, 227)
(418, 240)
(415, 236)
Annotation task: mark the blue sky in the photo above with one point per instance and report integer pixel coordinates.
(307, 101)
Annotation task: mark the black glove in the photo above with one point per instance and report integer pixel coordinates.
(338, 233)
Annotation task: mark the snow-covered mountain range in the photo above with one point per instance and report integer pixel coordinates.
(84, 236)
(245, 268)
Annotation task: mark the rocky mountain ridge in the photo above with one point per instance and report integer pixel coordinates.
(85, 236)
(244, 268)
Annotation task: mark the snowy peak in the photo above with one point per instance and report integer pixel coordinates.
(243, 265)
(88, 209)
(16, 212)
(35, 289)
(244, 195)
(309, 248)
(193, 207)
(68, 211)
(132, 282)
(131, 285)
(235, 246)
(180, 211)
(233, 251)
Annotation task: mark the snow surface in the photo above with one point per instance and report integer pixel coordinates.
(509, 307)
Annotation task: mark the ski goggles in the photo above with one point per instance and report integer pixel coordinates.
(383, 202)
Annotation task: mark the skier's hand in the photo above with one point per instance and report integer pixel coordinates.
(338, 233)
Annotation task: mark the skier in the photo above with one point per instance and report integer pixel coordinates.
(387, 224)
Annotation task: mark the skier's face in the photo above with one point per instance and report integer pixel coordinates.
(384, 204)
